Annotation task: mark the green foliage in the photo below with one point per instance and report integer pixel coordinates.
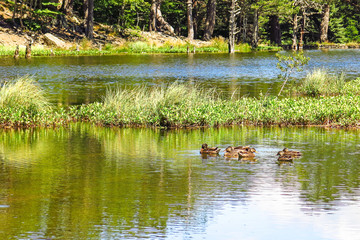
(289, 63)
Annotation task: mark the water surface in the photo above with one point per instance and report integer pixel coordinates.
(76, 80)
(84, 182)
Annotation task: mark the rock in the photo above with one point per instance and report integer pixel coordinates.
(51, 40)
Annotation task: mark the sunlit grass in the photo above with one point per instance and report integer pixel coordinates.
(23, 92)
(24, 104)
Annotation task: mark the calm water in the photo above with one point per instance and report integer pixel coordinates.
(76, 80)
(84, 182)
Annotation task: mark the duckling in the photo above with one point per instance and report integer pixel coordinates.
(288, 152)
(206, 150)
(247, 153)
(231, 152)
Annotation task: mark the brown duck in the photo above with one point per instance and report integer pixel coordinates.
(247, 153)
(285, 158)
(287, 152)
(206, 150)
(231, 152)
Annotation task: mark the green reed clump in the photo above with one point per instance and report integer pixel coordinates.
(183, 105)
(23, 92)
(172, 105)
(23, 103)
(320, 82)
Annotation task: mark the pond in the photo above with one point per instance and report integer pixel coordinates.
(85, 182)
(77, 80)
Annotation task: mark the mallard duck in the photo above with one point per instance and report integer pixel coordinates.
(231, 152)
(285, 158)
(247, 153)
(288, 152)
(242, 147)
(206, 150)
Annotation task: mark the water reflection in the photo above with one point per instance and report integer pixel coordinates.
(86, 182)
(76, 80)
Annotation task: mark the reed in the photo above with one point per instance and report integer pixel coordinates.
(23, 92)
(320, 82)
(23, 104)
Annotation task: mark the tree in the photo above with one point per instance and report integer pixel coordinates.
(67, 7)
(275, 33)
(89, 18)
(157, 20)
(190, 20)
(234, 11)
(288, 64)
(210, 20)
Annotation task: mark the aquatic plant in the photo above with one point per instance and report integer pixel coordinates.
(23, 104)
(320, 82)
(23, 92)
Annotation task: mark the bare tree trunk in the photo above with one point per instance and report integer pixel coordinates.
(161, 24)
(210, 20)
(232, 27)
(67, 7)
(89, 18)
(152, 25)
(195, 19)
(275, 33)
(190, 20)
(21, 14)
(324, 26)
(256, 28)
(294, 34)
(302, 32)
(15, 10)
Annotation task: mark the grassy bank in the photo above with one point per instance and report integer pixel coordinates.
(23, 104)
(216, 45)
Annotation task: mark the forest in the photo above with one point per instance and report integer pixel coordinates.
(273, 22)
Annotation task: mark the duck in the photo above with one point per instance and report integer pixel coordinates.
(285, 158)
(247, 153)
(231, 152)
(206, 150)
(242, 147)
(288, 152)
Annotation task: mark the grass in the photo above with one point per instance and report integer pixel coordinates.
(170, 46)
(23, 104)
(320, 83)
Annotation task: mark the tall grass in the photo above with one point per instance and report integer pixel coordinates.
(167, 105)
(320, 82)
(23, 103)
(23, 92)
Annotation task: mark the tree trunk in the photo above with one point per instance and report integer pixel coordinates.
(14, 13)
(324, 26)
(275, 33)
(256, 28)
(152, 25)
(232, 27)
(67, 7)
(210, 19)
(190, 20)
(159, 22)
(195, 20)
(89, 18)
(302, 33)
(294, 34)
